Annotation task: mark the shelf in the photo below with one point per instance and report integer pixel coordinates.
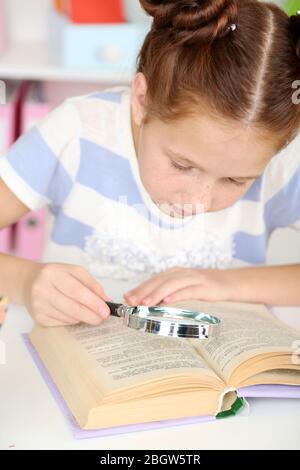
(34, 61)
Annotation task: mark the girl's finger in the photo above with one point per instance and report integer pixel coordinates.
(72, 288)
(198, 292)
(174, 269)
(49, 322)
(74, 310)
(88, 280)
(145, 288)
(50, 316)
(169, 287)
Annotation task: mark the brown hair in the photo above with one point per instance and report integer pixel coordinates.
(193, 60)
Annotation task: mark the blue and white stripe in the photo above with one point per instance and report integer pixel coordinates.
(78, 160)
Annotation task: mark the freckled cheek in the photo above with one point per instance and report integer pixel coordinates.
(200, 194)
(155, 174)
(158, 184)
(225, 198)
(163, 188)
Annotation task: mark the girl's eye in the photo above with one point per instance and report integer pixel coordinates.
(238, 183)
(180, 167)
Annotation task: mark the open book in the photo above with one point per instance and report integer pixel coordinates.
(111, 375)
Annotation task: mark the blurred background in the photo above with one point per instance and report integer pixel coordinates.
(53, 49)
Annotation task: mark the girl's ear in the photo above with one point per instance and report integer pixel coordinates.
(139, 90)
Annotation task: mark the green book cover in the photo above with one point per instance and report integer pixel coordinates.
(236, 407)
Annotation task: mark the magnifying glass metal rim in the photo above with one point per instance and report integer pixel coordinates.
(167, 321)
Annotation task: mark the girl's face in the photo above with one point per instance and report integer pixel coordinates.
(197, 164)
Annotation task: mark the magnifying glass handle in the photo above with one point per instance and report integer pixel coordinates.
(114, 308)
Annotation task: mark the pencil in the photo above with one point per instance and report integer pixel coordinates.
(3, 309)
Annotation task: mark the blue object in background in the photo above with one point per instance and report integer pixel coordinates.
(110, 48)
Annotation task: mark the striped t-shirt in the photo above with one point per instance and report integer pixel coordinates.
(80, 161)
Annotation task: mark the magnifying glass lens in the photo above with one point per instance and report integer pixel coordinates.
(167, 321)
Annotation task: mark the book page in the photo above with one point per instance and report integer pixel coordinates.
(246, 330)
(275, 376)
(124, 357)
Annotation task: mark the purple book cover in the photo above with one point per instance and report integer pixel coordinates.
(270, 391)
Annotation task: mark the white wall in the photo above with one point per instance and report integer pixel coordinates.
(27, 19)
(284, 247)
(280, 3)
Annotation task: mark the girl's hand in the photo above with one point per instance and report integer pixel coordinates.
(63, 294)
(183, 284)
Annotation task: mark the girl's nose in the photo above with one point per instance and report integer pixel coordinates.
(205, 203)
(205, 195)
(200, 200)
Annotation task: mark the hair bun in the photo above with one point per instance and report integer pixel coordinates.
(295, 30)
(194, 20)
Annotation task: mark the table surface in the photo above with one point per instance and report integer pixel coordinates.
(31, 419)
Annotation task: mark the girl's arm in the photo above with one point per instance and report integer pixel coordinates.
(11, 208)
(55, 294)
(15, 274)
(275, 285)
(13, 271)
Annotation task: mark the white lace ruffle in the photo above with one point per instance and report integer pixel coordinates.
(124, 245)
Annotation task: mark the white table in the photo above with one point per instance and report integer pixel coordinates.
(31, 419)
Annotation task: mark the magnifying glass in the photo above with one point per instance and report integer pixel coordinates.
(167, 321)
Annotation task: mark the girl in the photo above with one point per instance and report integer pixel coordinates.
(177, 181)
